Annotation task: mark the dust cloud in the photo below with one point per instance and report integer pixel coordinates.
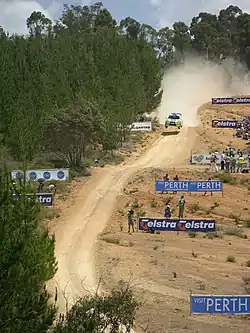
(188, 86)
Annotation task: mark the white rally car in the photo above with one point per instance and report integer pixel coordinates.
(174, 119)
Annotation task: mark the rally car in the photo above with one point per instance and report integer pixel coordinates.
(174, 119)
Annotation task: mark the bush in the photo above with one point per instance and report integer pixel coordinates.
(231, 259)
(194, 207)
(226, 178)
(212, 235)
(246, 284)
(247, 224)
(234, 232)
(101, 313)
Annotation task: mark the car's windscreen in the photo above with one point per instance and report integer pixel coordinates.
(173, 117)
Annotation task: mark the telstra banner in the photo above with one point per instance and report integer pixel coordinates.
(226, 124)
(45, 199)
(146, 224)
(231, 100)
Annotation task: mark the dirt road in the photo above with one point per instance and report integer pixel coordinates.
(76, 235)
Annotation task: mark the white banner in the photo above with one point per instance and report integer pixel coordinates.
(46, 174)
(205, 158)
(144, 126)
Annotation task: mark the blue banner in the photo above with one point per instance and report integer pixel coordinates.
(217, 304)
(188, 186)
(226, 123)
(231, 100)
(146, 224)
(45, 199)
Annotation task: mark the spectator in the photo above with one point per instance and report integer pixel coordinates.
(97, 162)
(240, 163)
(14, 187)
(213, 164)
(233, 162)
(40, 185)
(222, 161)
(227, 163)
(181, 205)
(131, 213)
(168, 212)
(176, 179)
(209, 179)
(52, 188)
(166, 179)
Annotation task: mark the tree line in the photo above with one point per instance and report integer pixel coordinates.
(65, 89)
(74, 85)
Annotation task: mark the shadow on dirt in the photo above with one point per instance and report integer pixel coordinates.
(170, 133)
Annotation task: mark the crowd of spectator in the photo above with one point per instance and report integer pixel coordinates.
(244, 130)
(230, 160)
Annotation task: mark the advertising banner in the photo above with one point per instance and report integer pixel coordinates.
(146, 224)
(218, 304)
(226, 123)
(144, 126)
(189, 186)
(46, 199)
(231, 100)
(46, 174)
(204, 159)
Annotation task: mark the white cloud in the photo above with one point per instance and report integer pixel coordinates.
(14, 13)
(170, 11)
(156, 3)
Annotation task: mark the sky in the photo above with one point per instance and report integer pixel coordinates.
(157, 13)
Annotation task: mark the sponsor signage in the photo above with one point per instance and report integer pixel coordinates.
(146, 224)
(46, 174)
(189, 186)
(46, 199)
(231, 100)
(218, 304)
(145, 126)
(206, 158)
(226, 123)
